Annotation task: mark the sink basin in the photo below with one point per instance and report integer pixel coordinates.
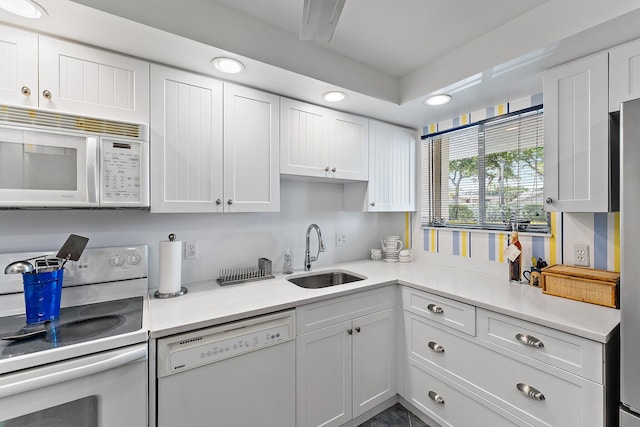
(325, 279)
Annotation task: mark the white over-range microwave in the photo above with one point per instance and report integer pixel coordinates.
(46, 168)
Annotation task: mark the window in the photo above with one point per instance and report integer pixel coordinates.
(486, 175)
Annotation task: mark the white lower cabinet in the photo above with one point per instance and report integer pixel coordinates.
(349, 366)
(510, 373)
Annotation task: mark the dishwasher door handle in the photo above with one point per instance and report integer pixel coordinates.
(73, 373)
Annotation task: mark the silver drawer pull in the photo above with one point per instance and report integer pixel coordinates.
(530, 391)
(435, 308)
(436, 397)
(529, 340)
(436, 347)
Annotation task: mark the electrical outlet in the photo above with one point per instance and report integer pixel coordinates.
(341, 239)
(191, 249)
(581, 255)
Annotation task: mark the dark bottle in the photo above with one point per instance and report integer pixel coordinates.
(515, 266)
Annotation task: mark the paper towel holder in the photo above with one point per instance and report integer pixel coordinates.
(182, 291)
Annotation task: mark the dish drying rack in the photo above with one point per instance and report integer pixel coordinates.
(233, 275)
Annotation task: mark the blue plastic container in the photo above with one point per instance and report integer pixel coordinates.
(42, 292)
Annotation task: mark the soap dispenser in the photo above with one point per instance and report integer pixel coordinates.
(287, 266)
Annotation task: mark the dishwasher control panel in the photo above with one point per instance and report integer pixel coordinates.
(193, 349)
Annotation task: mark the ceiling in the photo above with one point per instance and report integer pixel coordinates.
(386, 55)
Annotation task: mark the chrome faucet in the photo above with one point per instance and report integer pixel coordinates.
(308, 259)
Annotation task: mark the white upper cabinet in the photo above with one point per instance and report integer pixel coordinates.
(349, 146)
(251, 150)
(391, 186)
(39, 71)
(198, 167)
(19, 69)
(576, 136)
(624, 74)
(186, 142)
(322, 143)
(83, 80)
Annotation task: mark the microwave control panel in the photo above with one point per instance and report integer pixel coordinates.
(123, 172)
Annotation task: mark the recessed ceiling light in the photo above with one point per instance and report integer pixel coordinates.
(227, 65)
(437, 99)
(334, 96)
(24, 8)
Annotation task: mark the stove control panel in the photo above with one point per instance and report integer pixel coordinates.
(107, 264)
(188, 351)
(96, 265)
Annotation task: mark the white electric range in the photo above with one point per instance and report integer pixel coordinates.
(89, 367)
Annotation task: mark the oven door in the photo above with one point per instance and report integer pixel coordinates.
(102, 390)
(40, 169)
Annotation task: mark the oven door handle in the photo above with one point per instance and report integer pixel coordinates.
(38, 382)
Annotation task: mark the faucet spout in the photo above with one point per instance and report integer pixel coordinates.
(308, 259)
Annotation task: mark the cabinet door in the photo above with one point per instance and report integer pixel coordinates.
(576, 149)
(374, 364)
(303, 139)
(88, 81)
(391, 168)
(251, 150)
(19, 70)
(186, 142)
(349, 146)
(323, 376)
(624, 74)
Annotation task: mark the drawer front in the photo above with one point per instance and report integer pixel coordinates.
(568, 399)
(454, 314)
(449, 406)
(329, 312)
(569, 352)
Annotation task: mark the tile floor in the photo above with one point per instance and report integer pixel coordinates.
(396, 416)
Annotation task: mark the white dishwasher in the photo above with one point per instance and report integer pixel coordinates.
(237, 374)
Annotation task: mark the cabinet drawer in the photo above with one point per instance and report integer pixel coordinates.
(454, 314)
(568, 399)
(455, 408)
(566, 351)
(325, 313)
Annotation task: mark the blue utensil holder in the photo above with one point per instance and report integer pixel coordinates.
(42, 293)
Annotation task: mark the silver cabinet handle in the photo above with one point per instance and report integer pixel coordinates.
(333, 169)
(25, 90)
(530, 391)
(46, 94)
(529, 340)
(436, 347)
(350, 331)
(435, 308)
(326, 168)
(548, 200)
(358, 329)
(436, 397)
(218, 202)
(229, 202)
(372, 203)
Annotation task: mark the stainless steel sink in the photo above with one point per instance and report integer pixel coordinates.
(325, 279)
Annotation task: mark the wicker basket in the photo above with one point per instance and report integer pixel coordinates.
(582, 284)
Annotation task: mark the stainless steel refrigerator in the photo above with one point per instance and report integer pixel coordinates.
(630, 264)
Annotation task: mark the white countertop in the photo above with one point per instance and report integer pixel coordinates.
(208, 304)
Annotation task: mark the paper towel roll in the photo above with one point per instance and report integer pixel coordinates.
(170, 267)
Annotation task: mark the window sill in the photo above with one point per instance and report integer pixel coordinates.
(485, 231)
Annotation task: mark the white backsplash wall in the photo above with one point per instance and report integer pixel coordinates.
(224, 240)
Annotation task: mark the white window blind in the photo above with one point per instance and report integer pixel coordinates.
(487, 175)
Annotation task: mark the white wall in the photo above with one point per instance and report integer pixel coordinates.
(224, 240)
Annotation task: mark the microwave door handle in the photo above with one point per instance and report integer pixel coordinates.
(39, 382)
(92, 170)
